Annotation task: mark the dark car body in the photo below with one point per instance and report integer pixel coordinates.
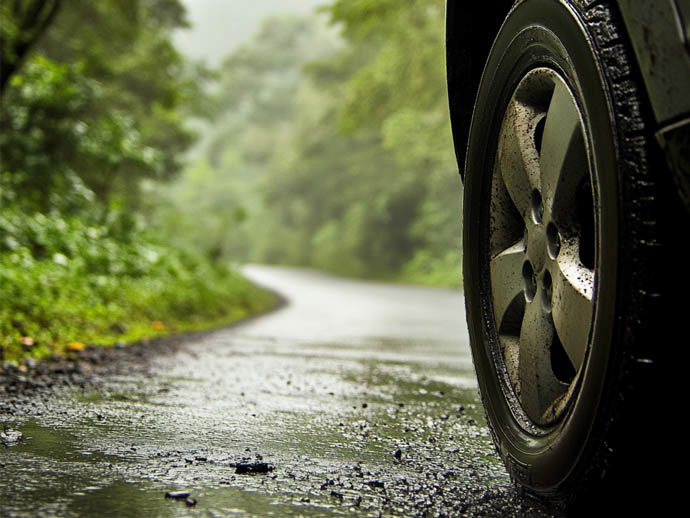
(659, 32)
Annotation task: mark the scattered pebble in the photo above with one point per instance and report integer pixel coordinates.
(243, 468)
(9, 437)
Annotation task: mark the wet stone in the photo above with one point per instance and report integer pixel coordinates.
(243, 468)
(9, 437)
(329, 482)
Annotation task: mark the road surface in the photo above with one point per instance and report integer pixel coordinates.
(353, 399)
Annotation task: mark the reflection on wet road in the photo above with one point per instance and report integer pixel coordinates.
(356, 398)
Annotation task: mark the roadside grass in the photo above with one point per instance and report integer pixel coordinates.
(48, 308)
(428, 270)
(70, 284)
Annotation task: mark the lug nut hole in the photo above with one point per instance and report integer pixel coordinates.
(530, 281)
(553, 240)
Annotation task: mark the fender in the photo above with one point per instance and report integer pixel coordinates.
(470, 31)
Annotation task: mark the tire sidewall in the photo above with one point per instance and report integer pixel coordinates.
(543, 33)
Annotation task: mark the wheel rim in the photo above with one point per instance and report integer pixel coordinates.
(542, 246)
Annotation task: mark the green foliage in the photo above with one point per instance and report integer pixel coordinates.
(100, 106)
(340, 160)
(400, 93)
(55, 129)
(255, 109)
(22, 23)
(104, 97)
(104, 279)
(323, 150)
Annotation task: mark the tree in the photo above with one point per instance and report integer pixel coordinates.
(103, 99)
(22, 23)
(336, 151)
(255, 107)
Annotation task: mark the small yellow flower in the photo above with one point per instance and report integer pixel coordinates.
(27, 341)
(158, 325)
(75, 346)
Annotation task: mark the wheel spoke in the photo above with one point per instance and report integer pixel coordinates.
(572, 307)
(518, 159)
(563, 157)
(539, 388)
(506, 280)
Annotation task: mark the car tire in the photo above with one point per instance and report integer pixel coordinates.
(563, 254)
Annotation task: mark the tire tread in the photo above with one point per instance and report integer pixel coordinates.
(609, 463)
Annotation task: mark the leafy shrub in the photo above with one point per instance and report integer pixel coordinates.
(102, 279)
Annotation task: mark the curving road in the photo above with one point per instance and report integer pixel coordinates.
(355, 398)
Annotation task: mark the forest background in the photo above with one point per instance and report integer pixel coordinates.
(132, 177)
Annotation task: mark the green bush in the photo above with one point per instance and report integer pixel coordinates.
(101, 279)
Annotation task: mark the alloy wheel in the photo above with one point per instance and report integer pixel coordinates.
(542, 246)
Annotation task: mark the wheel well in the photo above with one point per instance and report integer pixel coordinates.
(470, 30)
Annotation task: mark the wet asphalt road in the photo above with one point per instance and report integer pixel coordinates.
(355, 398)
